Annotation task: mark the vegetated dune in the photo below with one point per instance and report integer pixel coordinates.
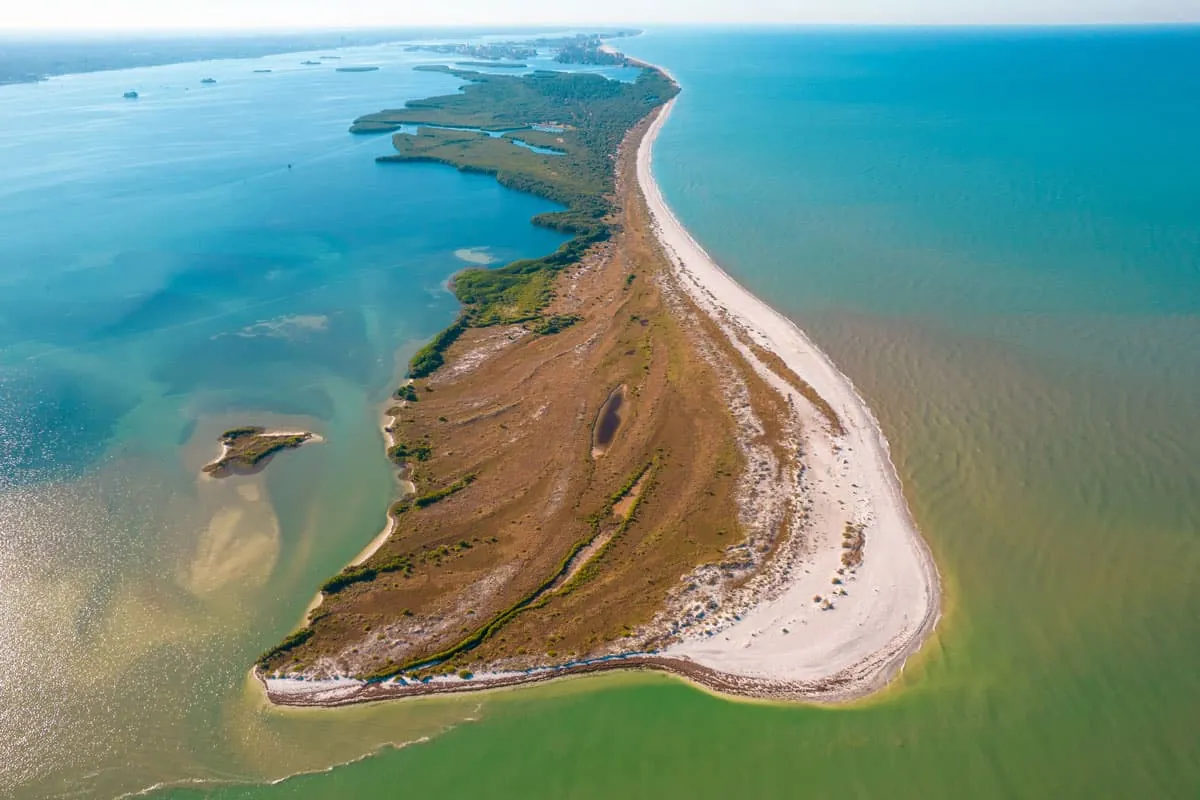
(741, 523)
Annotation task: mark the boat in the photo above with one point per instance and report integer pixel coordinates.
(130, 95)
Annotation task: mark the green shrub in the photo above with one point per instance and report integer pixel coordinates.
(553, 324)
(238, 433)
(441, 494)
(402, 452)
(596, 113)
(433, 355)
(293, 641)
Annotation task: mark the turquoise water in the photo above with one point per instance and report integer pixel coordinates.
(995, 233)
(204, 255)
(229, 222)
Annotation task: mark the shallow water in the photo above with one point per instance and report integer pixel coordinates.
(204, 256)
(995, 234)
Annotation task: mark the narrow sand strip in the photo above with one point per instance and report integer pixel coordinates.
(407, 489)
(892, 602)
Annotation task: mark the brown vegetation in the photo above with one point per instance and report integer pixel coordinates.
(854, 539)
(776, 364)
(547, 554)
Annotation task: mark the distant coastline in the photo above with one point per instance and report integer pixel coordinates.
(33, 59)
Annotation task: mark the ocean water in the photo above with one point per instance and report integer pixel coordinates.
(995, 233)
(205, 255)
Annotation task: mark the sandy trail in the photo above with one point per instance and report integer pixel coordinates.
(892, 603)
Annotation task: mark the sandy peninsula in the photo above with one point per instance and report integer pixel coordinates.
(824, 595)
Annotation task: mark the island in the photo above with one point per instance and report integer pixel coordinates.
(357, 69)
(615, 457)
(491, 64)
(29, 59)
(249, 449)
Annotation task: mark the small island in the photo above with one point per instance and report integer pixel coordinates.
(357, 69)
(248, 449)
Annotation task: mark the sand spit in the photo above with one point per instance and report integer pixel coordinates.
(853, 589)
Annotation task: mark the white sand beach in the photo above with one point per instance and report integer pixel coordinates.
(892, 602)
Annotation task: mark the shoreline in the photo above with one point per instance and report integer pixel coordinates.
(839, 658)
(408, 489)
(863, 650)
(309, 438)
(406, 486)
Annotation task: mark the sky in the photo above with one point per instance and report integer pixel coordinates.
(295, 14)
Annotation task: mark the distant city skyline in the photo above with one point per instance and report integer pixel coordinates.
(250, 15)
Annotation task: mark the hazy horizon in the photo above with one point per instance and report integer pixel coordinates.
(275, 16)
(554, 27)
